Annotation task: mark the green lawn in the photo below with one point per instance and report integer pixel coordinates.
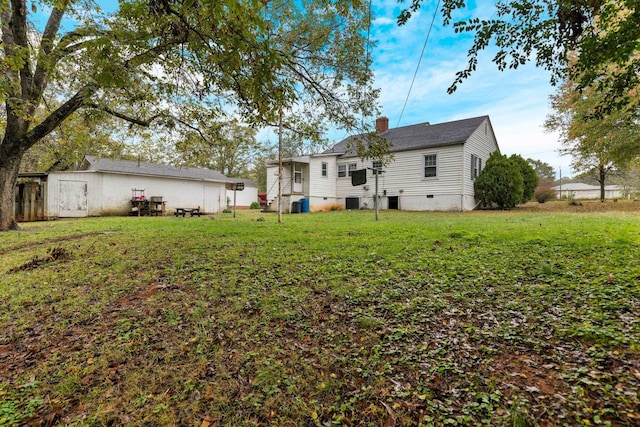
(514, 318)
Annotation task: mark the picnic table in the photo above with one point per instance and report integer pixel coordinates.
(185, 211)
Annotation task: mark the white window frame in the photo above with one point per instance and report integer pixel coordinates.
(376, 165)
(476, 166)
(342, 170)
(324, 170)
(424, 166)
(352, 168)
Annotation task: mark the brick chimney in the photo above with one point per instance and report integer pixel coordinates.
(382, 124)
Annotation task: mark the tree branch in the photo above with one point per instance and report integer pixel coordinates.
(44, 56)
(54, 119)
(139, 122)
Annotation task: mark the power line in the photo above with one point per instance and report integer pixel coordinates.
(426, 40)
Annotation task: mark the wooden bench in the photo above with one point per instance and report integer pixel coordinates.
(184, 211)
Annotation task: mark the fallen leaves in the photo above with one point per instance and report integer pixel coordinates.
(376, 329)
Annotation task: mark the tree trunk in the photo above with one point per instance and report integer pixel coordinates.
(601, 178)
(9, 168)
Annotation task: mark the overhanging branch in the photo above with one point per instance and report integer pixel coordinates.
(125, 117)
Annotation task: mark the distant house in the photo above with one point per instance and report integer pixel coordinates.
(245, 197)
(578, 190)
(106, 187)
(433, 169)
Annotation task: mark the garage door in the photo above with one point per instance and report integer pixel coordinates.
(72, 199)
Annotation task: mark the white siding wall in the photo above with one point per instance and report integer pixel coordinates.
(272, 183)
(322, 190)
(244, 198)
(110, 194)
(93, 182)
(176, 192)
(481, 143)
(272, 187)
(404, 178)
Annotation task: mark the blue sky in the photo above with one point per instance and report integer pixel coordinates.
(517, 101)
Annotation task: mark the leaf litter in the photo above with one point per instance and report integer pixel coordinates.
(195, 337)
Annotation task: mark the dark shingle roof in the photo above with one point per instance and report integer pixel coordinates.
(422, 135)
(141, 168)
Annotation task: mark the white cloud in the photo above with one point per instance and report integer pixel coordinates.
(516, 100)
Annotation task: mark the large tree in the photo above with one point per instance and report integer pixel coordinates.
(547, 32)
(260, 58)
(599, 144)
(204, 140)
(545, 172)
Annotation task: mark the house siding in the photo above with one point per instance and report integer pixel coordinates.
(110, 193)
(404, 178)
(322, 190)
(244, 198)
(481, 143)
(403, 184)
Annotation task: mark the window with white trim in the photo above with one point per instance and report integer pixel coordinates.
(352, 167)
(376, 165)
(325, 167)
(342, 170)
(430, 162)
(476, 166)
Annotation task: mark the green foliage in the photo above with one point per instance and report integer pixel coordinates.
(202, 139)
(328, 318)
(238, 323)
(546, 173)
(500, 183)
(529, 177)
(254, 205)
(253, 59)
(599, 144)
(544, 194)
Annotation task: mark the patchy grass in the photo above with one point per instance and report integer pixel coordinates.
(529, 317)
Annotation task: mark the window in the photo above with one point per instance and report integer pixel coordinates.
(342, 171)
(352, 167)
(324, 169)
(430, 165)
(376, 165)
(476, 166)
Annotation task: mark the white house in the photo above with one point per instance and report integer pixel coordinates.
(433, 169)
(578, 190)
(244, 198)
(106, 187)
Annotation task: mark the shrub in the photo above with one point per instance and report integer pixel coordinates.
(543, 194)
(500, 182)
(529, 177)
(254, 205)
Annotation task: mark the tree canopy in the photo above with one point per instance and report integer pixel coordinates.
(598, 144)
(545, 172)
(254, 58)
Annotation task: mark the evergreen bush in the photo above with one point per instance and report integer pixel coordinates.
(500, 183)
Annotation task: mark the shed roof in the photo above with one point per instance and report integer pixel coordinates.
(418, 136)
(142, 168)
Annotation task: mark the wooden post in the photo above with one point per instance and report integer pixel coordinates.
(280, 167)
(375, 202)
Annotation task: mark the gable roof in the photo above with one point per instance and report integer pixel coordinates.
(418, 136)
(92, 163)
